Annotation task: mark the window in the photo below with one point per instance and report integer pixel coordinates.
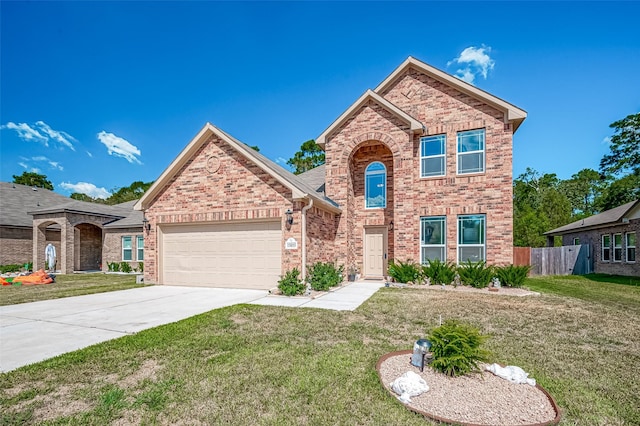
(432, 156)
(433, 238)
(140, 248)
(630, 244)
(471, 152)
(127, 252)
(606, 248)
(576, 241)
(375, 186)
(471, 238)
(617, 247)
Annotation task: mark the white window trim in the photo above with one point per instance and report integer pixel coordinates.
(130, 249)
(366, 185)
(443, 246)
(458, 245)
(613, 240)
(602, 248)
(443, 155)
(138, 248)
(627, 247)
(483, 151)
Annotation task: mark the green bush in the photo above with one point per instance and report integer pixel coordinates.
(439, 272)
(322, 276)
(511, 275)
(113, 266)
(125, 267)
(4, 269)
(476, 274)
(456, 348)
(290, 284)
(141, 266)
(405, 272)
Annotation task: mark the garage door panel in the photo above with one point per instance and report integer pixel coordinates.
(241, 255)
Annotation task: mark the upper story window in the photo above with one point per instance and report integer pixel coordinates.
(606, 248)
(433, 156)
(375, 186)
(630, 243)
(471, 152)
(617, 247)
(127, 250)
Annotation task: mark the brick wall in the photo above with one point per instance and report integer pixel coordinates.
(594, 239)
(443, 110)
(112, 246)
(238, 190)
(16, 244)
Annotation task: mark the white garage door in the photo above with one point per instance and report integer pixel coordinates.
(237, 255)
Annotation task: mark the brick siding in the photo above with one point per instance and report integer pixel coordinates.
(16, 245)
(112, 247)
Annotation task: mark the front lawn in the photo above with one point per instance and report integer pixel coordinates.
(65, 286)
(289, 366)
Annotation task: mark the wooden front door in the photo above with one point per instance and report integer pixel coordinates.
(374, 252)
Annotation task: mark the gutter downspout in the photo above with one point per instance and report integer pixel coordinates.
(304, 237)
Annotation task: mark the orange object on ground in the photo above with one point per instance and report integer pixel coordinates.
(38, 277)
(4, 282)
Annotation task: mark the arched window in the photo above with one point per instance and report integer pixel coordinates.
(375, 186)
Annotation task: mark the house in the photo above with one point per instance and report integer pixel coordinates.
(87, 236)
(611, 237)
(418, 168)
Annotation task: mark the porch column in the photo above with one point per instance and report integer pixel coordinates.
(66, 247)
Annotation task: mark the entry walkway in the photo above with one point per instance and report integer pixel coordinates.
(33, 332)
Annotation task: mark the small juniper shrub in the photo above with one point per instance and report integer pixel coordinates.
(125, 267)
(457, 348)
(477, 274)
(290, 284)
(322, 276)
(512, 275)
(10, 268)
(439, 272)
(405, 272)
(113, 266)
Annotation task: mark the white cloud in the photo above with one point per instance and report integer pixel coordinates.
(23, 165)
(119, 147)
(42, 159)
(63, 137)
(41, 132)
(281, 160)
(606, 140)
(475, 61)
(86, 188)
(25, 132)
(89, 154)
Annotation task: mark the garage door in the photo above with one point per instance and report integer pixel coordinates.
(237, 255)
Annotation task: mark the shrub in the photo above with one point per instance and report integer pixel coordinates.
(10, 268)
(323, 276)
(439, 272)
(404, 272)
(476, 274)
(125, 267)
(512, 276)
(290, 284)
(141, 266)
(113, 266)
(456, 348)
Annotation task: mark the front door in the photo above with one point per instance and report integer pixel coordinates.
(374, 252)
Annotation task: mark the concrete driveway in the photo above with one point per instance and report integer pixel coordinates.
(33, 332)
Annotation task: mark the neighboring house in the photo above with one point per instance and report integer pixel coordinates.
(87, 236)
(611, 237)
(419, 168)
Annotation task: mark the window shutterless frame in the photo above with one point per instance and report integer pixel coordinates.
(472, 238)
(617, 247)
(470, 152)
(433, 156)
(433, 238)
(127, 250)
(375, 186)
(630, 246)
(139, 248)
(606, 248)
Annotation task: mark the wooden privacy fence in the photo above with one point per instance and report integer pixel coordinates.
(565, 260)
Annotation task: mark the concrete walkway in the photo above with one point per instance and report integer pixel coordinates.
(33, 332)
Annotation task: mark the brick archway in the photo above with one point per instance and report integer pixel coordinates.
(356, 142)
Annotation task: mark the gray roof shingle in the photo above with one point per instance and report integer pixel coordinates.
(608, 217)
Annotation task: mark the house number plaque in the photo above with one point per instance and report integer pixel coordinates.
(291, 244)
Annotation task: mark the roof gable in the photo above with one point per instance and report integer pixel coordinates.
(369, 95)
(298, 187)
(514, 114)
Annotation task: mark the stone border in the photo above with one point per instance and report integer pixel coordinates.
(555, 421)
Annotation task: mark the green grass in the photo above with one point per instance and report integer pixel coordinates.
(65, 286)
(265, 365)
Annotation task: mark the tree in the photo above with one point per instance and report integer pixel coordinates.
(625, 147)
(619, 192)
(582, 190)
(254, 147)
(309, 157)
(128, 193)
(33, 179)
(84, 197)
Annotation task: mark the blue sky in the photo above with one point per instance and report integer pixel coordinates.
(97, 95)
